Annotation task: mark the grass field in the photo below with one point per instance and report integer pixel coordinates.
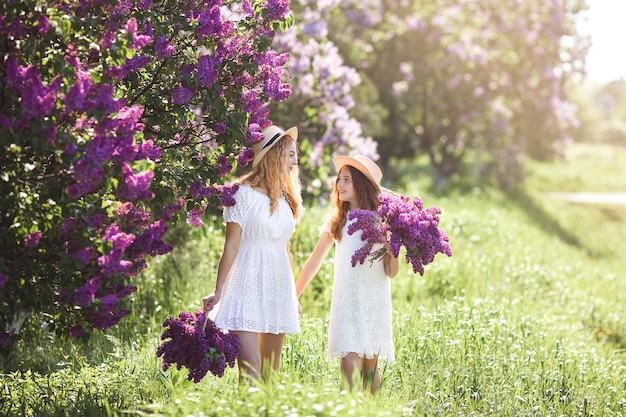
(527, 318)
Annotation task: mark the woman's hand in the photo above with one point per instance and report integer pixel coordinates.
(210, 301)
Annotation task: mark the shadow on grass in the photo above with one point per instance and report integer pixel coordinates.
(541, 217)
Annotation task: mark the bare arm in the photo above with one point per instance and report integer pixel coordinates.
(314, 263)
(231, 246)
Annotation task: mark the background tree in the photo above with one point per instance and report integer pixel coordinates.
(467, 76)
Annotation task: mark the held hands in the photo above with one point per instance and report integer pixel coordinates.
(210, 301)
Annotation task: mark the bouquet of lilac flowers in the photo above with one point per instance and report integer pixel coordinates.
(400, 221)
(193, 341)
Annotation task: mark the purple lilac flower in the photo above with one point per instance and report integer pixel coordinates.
(4, 337)
(277, 9)
(50, 133)
(68, 226)
(37, 99)
(3, 280)
(163, 49)
(76, 97)
(105, 320)
(225, 166)
(123, 7)
(76, 330)
(83, 255)
(112, 263)
(148, 150)
(405, 223)
(209, 22)
(368, 224)
(99, 150)
(245, 156)
(135, 186)
(32, 239)
(194, 342)
(246, 8)
(84, 296)
(194, 217)
(107, 302)
(95, 221)
(208, 70)
(227, 193)
(199, 191)
(181, 95)
(145, 4)
(149, 242)
(5, 122)
(16, 29)
(170, 209)
(134, 64)
(43, 24)
(134, 217)
(139, 40)
(220, 128)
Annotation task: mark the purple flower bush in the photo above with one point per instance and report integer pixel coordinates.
(400, 222)
(321, 83)
(119, 119)
(192, 341)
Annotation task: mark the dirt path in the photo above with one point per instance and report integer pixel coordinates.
(591, 198)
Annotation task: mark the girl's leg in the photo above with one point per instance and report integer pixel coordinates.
(271, 346)
(371, 377)
(249, 358)
(351, 369)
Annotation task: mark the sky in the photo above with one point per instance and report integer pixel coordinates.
(606, 60)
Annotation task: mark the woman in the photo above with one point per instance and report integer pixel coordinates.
(255, 284)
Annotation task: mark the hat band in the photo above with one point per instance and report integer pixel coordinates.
(269, 142)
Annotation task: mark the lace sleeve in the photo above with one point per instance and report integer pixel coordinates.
(325, 228)
(234, 214)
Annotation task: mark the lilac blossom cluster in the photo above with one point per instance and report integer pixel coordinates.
(322, 82)
(400, 222)
(194, 342)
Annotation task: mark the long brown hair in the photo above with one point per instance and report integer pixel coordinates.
(367, 193)
(270, 173)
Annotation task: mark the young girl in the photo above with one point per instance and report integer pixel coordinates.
(255, 283)
(360, 312)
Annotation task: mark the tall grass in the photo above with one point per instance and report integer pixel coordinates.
(525, 319)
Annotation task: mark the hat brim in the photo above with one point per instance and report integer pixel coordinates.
(343, 160)
(293, 132)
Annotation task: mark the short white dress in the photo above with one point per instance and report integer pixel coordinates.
(360, 309)
(259, 294)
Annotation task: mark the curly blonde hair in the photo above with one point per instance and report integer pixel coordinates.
(271, 173)
(367, 193)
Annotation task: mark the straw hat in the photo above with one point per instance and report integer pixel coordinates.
(272, 135)
(361, 162)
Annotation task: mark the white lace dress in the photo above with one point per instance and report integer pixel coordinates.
(360, 310)
(259, 294)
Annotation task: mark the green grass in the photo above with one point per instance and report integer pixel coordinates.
(525, 319)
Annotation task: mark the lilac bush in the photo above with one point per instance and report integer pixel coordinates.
(321, 101)
(400, 222)
(192, 341)
(119, 119)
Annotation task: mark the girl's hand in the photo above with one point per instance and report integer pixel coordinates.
(388, 247)
(209, 301)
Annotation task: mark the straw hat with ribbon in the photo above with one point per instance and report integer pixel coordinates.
(272, 135)
(361, 162)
